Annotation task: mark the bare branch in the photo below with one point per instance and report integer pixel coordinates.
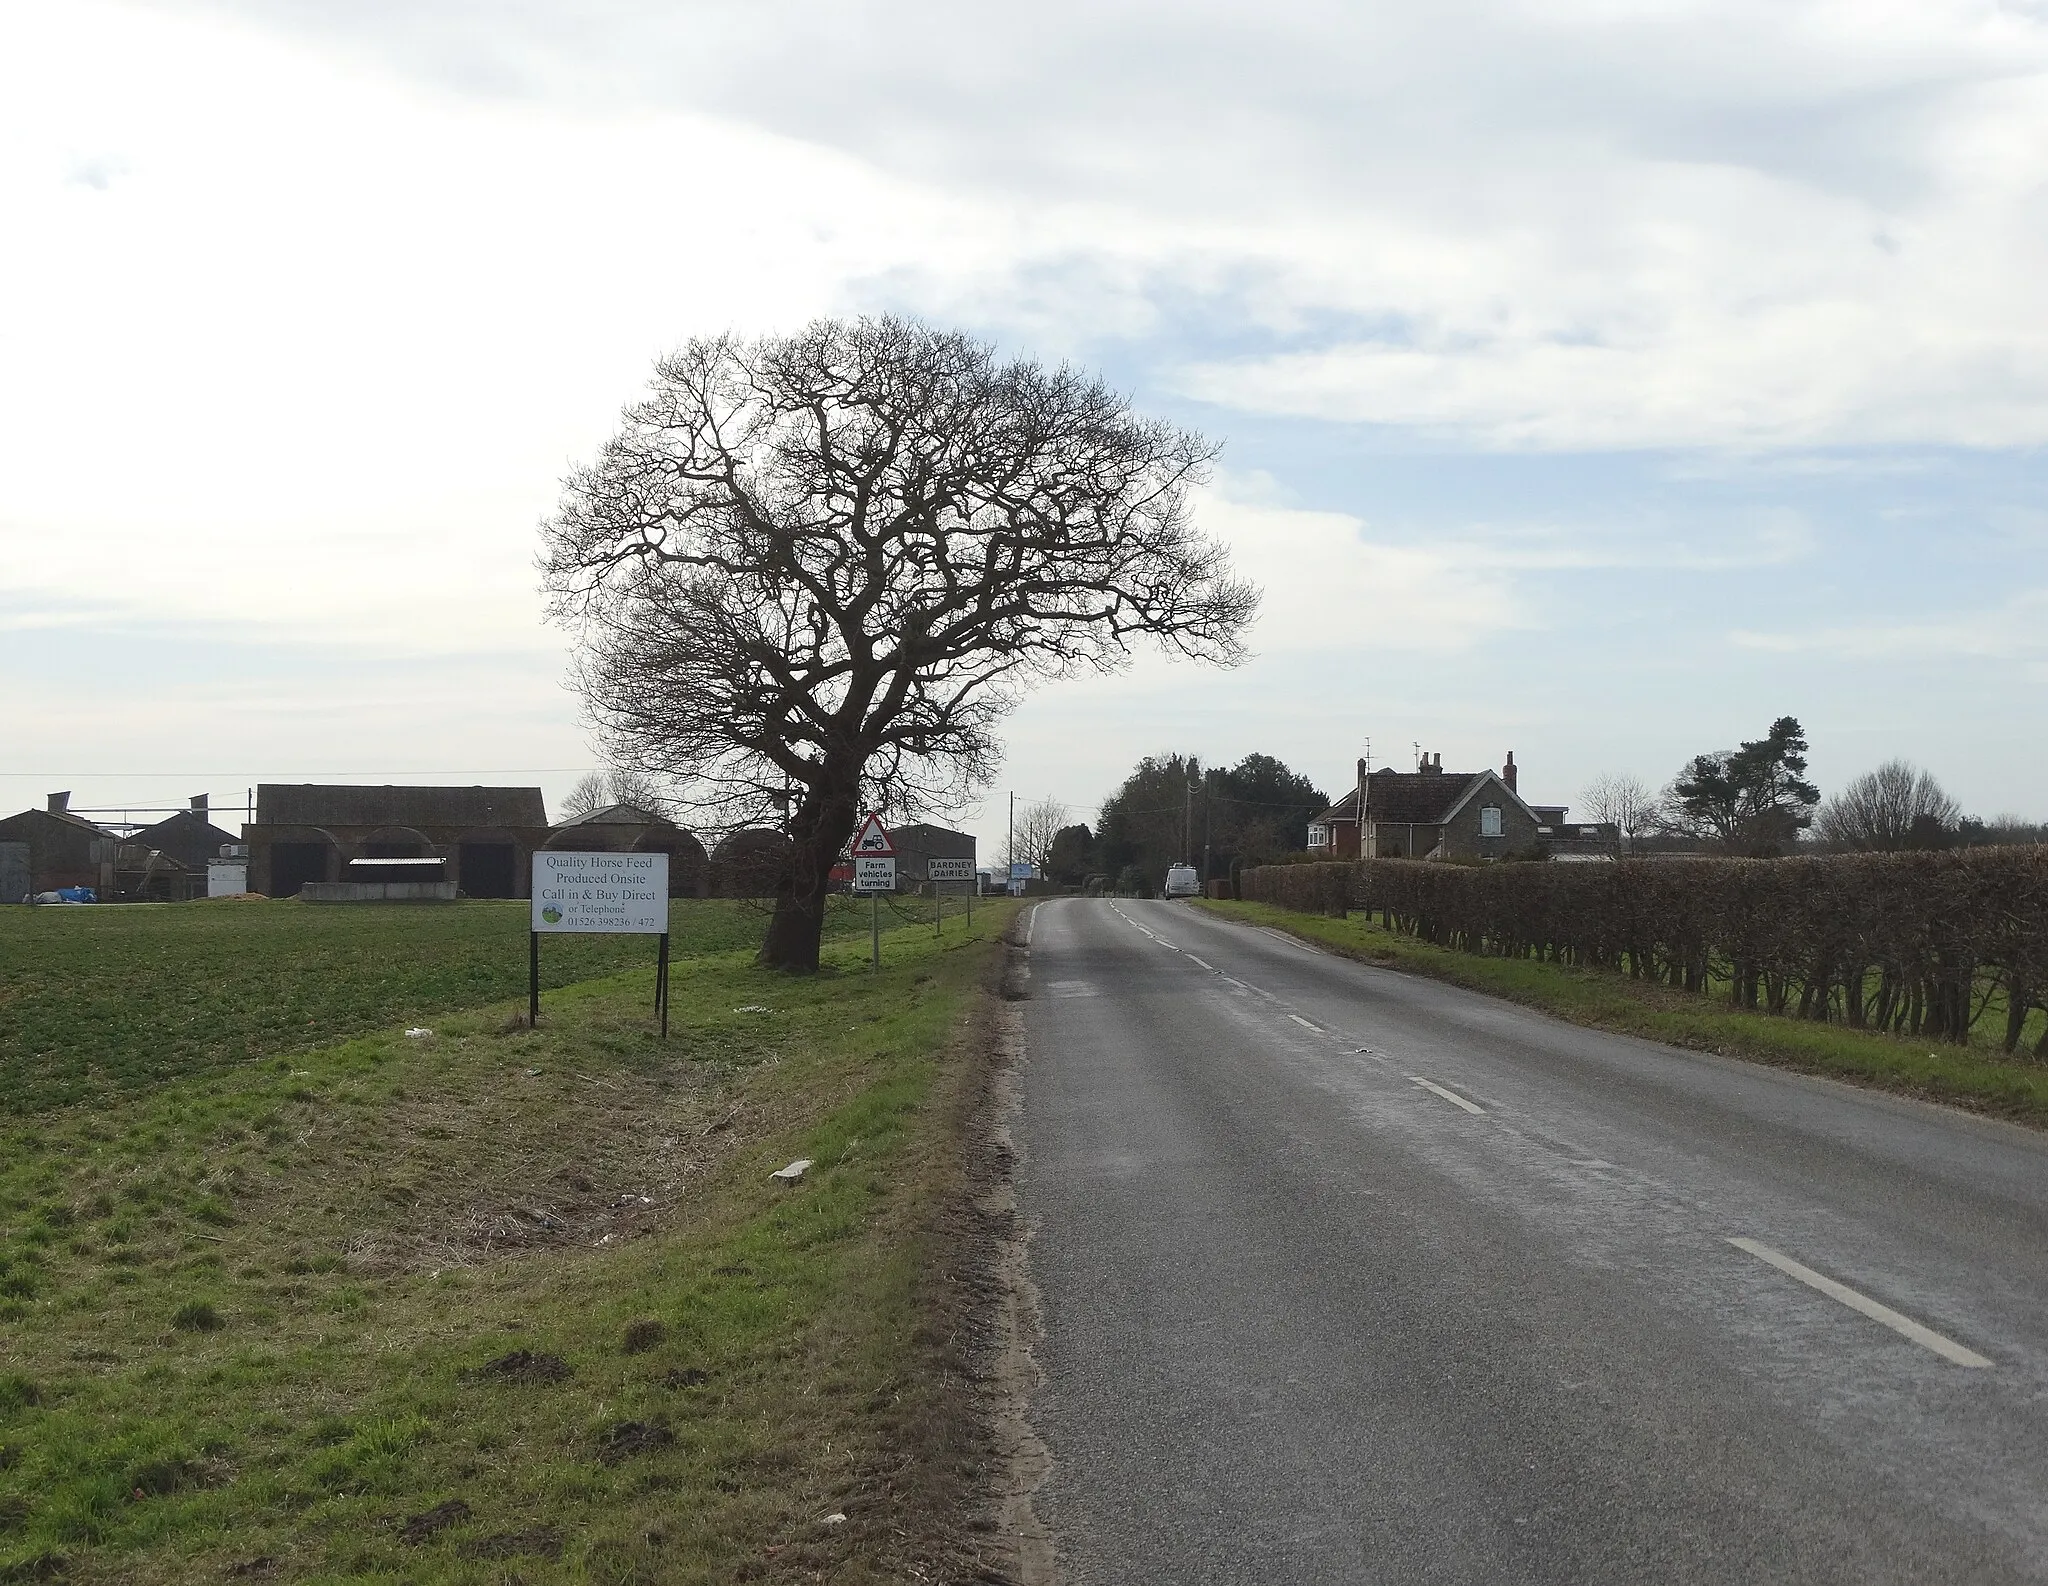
(824, 567)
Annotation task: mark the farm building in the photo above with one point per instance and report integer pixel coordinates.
(189, 837)
(750, 863)
(311, 832)
(168, 861)
(57, 849)
(628, 829)
(919, 843)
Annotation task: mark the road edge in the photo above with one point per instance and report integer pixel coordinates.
(1024, 1460)
(1897, 1087)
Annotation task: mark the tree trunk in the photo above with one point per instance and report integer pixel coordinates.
(821, 827)
(2019, 999)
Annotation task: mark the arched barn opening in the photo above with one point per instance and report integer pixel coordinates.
(750, 863)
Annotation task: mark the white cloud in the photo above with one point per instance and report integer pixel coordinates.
(2016, 630)
(318, 361)
(1558, 226)
(1331, 585)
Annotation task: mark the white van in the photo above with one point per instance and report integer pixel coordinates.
(1182, 882)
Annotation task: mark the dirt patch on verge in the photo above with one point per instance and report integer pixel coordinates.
(544, 1542)
(424, 1527)
(522, 1365)
(620, 1443)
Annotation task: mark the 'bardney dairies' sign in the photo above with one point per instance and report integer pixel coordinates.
(624, 894)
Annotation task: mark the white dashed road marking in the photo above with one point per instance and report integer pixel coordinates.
(1298, 1019)
(1925, 1337)
(1450, 1096)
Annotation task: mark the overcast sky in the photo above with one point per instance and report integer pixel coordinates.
(1596, 380)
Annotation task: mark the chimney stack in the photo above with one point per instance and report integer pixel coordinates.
(59, 803)
(1507, 772)
(199, 803)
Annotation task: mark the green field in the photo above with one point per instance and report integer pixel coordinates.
(99, 999)
(494, 1303)
(1980, 1077)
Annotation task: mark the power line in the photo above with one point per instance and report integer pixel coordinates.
(503, 770)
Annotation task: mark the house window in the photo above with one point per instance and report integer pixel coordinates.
(1489, 821)
(1319, 837)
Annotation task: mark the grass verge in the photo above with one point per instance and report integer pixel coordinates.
(500, 1303)
(1605, 1000)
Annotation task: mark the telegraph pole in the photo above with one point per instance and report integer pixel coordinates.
(1010, 851)
(1363, 780)
(1208, 828)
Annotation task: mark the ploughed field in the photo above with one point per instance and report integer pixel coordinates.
(112, 997)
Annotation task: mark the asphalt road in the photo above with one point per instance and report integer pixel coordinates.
(1350, 1276)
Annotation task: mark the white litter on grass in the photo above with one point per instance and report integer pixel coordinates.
(833, 1519)
(418, 1030)
(795, 1170)
(753, 1007)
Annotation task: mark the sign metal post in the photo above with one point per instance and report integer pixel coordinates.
(941, 872)
(661, 984)
(874, 872)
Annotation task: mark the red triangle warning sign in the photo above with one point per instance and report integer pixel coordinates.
(871, 838)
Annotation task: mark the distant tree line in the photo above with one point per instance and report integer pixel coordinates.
(1172, 809)
(1754, 801)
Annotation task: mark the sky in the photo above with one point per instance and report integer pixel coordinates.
(1597, 381)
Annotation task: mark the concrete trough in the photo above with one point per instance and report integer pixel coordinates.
(378, 892)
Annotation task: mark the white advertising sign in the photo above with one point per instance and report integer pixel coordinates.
(873, 875)
(949, 870)
(624, 894)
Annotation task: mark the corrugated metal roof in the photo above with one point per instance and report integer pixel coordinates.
(616, 815)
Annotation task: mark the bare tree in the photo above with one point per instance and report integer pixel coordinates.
(1037, 825)
(1625, 803)
(1896, 806)
(821, 568)
(596, 790)
(591, 793)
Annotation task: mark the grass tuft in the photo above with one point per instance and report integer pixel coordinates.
(198, 1316)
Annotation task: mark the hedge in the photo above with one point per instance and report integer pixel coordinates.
(1919, 943)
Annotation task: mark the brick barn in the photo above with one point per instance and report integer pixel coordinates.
(307, 831)
(61, 849)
